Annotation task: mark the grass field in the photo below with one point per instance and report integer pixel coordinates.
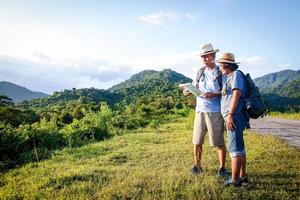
(154, 164)
(294, 116)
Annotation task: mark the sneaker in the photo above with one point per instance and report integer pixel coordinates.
(231, 182)
(196, 170)
(244, 180)
(222, 173)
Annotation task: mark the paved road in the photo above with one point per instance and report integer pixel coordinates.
(288, 130)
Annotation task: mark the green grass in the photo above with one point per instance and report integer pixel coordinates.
(294, 116)
(154, 164)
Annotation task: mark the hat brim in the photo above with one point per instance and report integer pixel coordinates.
(210, 52)
(226, 61)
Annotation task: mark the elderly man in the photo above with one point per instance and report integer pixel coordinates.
(208, 116)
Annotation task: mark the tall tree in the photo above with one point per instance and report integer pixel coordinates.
(6, 101)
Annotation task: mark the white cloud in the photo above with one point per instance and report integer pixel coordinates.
(46, 74)
(285, 65)
(192, 17)
(49, 77)
(161, 17)
(258, 66)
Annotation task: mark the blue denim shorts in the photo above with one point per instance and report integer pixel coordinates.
(236, 146)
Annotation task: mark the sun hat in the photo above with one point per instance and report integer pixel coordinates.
(208, 49)
(227, 58)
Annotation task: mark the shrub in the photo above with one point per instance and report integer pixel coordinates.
(90, 128)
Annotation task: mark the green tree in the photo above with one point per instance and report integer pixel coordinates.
(6, 101)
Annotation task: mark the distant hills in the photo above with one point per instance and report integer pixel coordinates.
(18, 93)
(269, 82)
(147, 84)
(280, 90)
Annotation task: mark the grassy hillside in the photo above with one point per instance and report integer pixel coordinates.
(153, 164)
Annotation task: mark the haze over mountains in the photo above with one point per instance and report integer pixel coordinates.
(19, 93)
(279, 89)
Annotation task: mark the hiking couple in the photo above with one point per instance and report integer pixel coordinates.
(223, 89)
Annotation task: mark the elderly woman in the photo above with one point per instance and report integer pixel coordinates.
(232, 108)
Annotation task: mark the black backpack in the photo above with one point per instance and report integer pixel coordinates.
(254, 104)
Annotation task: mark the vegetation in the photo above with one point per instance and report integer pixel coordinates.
(27, 138)
(286, 115)
(32, 130)
(280, 90)
(166, 75)
(154, 164)
(141, 154)
(284, 98)
(273, 80)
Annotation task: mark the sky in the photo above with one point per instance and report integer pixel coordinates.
(54, 45)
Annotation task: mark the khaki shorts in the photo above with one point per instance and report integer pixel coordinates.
(212, 123)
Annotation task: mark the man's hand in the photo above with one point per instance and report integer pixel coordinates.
(186, 93)
(208, 95)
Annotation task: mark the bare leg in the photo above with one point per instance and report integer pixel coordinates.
(236, 163)
(222, 155)
(197, 154)
(243, 166)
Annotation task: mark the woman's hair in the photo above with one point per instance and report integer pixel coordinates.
(232, 66)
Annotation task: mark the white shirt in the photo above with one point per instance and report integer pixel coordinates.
(208, 83)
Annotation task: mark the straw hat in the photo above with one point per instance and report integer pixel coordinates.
(227, 58)
(208, 49)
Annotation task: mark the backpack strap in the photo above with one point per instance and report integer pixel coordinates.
(219, 78)
(246, 84)
(246, 95)
(199, 74)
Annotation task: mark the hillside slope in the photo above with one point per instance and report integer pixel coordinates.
(167, 75)
(18, 93)
(276, 79)
(153, 164)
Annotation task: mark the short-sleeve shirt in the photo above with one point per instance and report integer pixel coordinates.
(208, 83)
(234, 81)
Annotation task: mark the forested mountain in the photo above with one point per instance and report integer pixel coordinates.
(167, 75)
(284, 97)
(280, 90)
(143, 85)
(77, 96)
(151, 83)
(269, 82)
(18, 93)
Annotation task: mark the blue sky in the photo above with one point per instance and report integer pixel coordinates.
(54, 45)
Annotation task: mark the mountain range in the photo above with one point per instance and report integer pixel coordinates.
(280, 90)
(269, 82)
